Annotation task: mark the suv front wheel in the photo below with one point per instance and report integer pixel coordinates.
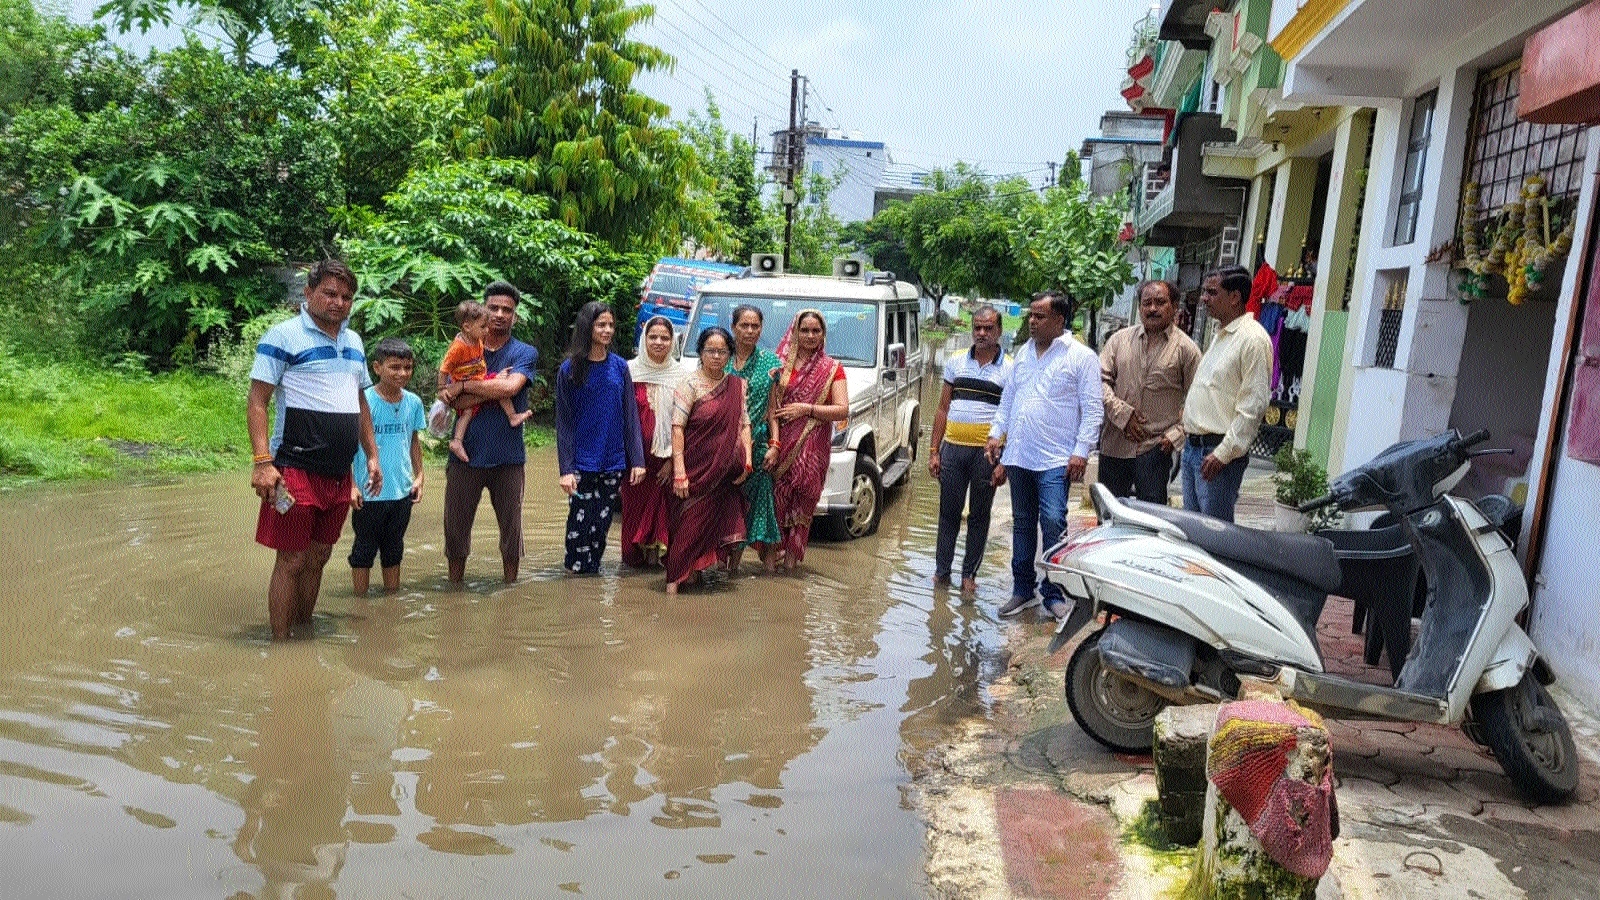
(866, 495)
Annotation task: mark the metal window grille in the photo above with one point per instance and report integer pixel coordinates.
(1505, 150)
(1388, 337)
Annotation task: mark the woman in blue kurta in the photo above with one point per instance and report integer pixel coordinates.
(597, 435)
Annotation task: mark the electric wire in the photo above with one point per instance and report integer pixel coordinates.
(736, 33)
(728, 82)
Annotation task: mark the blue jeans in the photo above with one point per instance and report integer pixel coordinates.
(1216, 497)
(1038, 504)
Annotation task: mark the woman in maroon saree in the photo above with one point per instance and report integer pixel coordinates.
(710, 459)
(810, 395)
(644, 505)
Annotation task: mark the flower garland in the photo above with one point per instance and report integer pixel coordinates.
(1522, 247)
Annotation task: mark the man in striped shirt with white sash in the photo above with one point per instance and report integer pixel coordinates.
(973, 383)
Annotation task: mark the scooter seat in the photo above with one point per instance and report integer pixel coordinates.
(1307, 558)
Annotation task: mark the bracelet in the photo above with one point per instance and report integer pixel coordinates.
(262, 458)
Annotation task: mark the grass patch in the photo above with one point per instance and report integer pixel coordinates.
(1147, 830)
(63, 421)
(1147, 833)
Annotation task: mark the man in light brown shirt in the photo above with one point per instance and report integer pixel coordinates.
(1147, 370)
(1231, 388)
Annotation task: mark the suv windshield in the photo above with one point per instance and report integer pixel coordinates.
(852, 337)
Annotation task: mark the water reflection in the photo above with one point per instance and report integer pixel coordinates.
(585, 735)
(294, 805)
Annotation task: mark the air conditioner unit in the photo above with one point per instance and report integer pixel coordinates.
(846, 267)
(766, 264)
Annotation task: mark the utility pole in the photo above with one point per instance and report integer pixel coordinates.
(790, 140)
(1052, 182)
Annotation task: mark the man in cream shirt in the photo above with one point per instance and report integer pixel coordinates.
(1231, 387)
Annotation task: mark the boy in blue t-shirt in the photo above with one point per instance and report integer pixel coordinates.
(380, 519)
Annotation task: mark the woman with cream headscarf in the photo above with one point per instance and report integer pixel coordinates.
(644, 505)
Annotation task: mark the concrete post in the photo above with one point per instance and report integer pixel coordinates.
(1181, 736)
(1251, 738)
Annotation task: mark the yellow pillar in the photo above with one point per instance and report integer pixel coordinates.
(1290, 219)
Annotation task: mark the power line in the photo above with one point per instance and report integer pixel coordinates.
(735, 32)
(729, 79)
(696, 26)
(968, 159)
(824, 104)
(724, 99)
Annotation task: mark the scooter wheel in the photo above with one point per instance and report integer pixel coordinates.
(1111, 709)
(1529, 737)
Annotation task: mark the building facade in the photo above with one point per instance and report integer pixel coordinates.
(867, 179)
(1466, 293)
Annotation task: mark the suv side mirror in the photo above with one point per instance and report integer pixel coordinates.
(895, 356)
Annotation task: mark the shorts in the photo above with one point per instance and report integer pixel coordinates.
(380, 527)
(317, 516)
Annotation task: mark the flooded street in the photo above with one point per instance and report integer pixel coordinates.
(591, 736)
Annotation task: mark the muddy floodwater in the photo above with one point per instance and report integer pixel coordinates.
(558, 736)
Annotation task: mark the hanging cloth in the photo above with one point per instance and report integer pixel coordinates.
(1265, 283)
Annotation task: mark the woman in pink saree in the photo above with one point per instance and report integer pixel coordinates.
(710, 459)
(810, 395)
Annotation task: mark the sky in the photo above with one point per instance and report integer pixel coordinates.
(1008, 86)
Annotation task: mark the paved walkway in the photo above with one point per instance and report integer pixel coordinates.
(1424, 811)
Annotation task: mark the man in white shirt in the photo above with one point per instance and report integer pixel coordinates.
(1231, 388)
(1047, 424)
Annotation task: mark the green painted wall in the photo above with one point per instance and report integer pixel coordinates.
(1325, 400)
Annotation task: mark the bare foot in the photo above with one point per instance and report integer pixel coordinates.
(459, 450)
(672, 589)
(969, 586)
(519, 418)
(941, 581)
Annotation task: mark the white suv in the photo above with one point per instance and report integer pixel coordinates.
(873, 332)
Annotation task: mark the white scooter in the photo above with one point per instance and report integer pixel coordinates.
(1190, 604)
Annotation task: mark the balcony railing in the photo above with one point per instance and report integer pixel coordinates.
(1152, 196)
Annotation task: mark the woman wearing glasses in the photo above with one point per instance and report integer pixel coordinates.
(710, 460)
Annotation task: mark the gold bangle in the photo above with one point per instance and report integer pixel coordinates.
(261, 458)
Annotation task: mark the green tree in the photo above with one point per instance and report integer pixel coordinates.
(245, 24)
(743, 225)
(817, 236)
(957, 237)
(451, 229)
(884, 246)
(392, 75)
(1071, 241)
(169, 211)
(559, 90)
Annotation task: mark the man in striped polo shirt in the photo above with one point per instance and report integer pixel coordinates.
(314, 370)
(973, 383)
